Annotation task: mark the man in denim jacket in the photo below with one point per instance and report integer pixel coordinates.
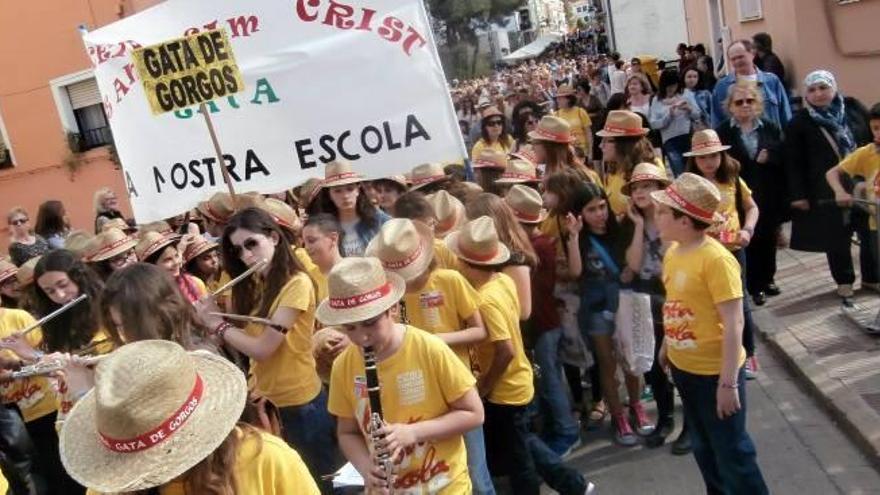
(741, 55)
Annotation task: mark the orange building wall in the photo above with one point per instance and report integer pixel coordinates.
(803, 40)
(39, 42)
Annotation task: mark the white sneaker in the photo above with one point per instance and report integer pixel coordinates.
(845, 290)
(591, 489)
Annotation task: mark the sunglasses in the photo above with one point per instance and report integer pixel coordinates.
(746, 101)
(494, 123)
(249, 245)
(19, 221)
(532, 122)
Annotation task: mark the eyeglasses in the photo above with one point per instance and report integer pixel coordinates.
(248, 245)
(19, 221)
(494, 123)
(746, 101)
(532, 122)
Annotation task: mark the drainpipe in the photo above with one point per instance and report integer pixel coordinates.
(609, 25)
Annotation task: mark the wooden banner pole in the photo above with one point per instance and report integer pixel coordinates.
(220, 161)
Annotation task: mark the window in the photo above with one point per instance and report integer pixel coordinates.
(6, 160)
(91, 122)
(750, 10)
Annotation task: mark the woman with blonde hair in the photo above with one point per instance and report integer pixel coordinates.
(106, 207)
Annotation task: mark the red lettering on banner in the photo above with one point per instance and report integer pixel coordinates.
(344, 16)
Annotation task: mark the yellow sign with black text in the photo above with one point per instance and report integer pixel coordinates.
(188, 71)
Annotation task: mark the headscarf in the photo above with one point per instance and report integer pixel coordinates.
(833, 117)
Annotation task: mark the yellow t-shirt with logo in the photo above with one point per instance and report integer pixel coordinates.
(578, 119)
(865, 162)
(727, 230)
(616, 200)
(499, 145)
(417, 382)
(34, 395)
(445, 257)
(442, 305)
(696, 282)
(288, 377)
(264, 465)
(314, 273)
(499, 308)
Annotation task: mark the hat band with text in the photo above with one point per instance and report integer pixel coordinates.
(342, 176)
(424, 180)
(518, 175)
(528, 217)
(398, 264)
(554, 136)
(705, 145)
(113, 245)
(644, 177)
(689, 207)
(623, 130)
(8, 273)
(162, 432)
(359, 300)
(480, 257)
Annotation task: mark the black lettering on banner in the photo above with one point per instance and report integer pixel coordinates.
(157, 176)
(198, 179)
(371, 149)
(252, 165)
(192, 175)
(303, 151)
(209, 163)
(414, 130)
(163, 95)
(230, 167)
(345, 154)
(132, 191)
(219, 46)
(231, 84)
(207, 48)
(151, 62)
(178, 179)
(326, 142)
(388, 138)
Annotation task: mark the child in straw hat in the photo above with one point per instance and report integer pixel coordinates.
(440, 302)
(703, 321)
(194, 442)
(282, 365)
(9, 289)
(165, 251)
(738, 214)
(321, 236)
(427, 394)
(442, 212)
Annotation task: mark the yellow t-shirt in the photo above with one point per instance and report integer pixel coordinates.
(578, 119)
(727, 230)
(34, 395)
(616, 200)
(264, 465)
(481, 145)
(418, 382)
(865, 162)
(695, 283)
(314, 273)
(445, 257)
(212, 285)
(442, 305)
(288, 377)
(499, 308)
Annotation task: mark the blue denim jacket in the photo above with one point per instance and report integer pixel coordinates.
(776, 106)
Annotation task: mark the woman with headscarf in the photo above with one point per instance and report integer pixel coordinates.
(820, 135)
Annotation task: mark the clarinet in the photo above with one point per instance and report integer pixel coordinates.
(373, 389)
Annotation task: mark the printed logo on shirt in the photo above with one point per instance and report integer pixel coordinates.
(433, 299)
(360, 387)
(677, 319)
(411, 387)
(679, 280)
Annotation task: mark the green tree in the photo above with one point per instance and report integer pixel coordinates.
(456, 23)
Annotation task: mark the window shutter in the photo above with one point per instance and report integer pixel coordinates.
(750, 10)
(84, 94)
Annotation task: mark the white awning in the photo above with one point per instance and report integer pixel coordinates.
(534, 48)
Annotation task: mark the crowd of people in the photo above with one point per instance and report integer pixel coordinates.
(442, 333)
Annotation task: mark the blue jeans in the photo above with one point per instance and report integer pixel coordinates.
(675, 148)
(557, 475)
(311, 431)
(722, 448)
(551, 392)
(478, 469)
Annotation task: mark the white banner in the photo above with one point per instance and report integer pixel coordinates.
(324, 80)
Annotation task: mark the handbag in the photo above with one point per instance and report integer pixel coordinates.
(634, 332)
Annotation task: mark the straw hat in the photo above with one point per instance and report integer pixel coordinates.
(404, 247)
(692, 195)
(477, 243)
(78, 241)
(519, 172)
(565, 90)
(705, 142)
(491, 159)
(448, 211)
(153, 242)
(622, 123)
(197, 247)
(7, 269)
(109, 243)
(359, 289)
(250, 199)
(25, 274)
(400, 180)
(643, 172)
(218, 209)
(161, 227)
(526, 204)
(282, 213)
(339, 173)
(155, 412)
(526, 153)
(427, 173)
(553, 129)
(118, 223)
(491, 112)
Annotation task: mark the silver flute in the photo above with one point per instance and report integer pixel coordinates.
(47, 366)
(54, 314)
(382, 456)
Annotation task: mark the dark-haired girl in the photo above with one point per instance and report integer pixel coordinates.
(343, 196)
(673, 113)
(52, 223)
(493, 133)
(282, 366)
(165, 251)
(694, 83)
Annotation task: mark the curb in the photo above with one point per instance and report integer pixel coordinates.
(847, 409)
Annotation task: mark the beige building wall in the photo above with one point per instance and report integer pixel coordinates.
(807, 35)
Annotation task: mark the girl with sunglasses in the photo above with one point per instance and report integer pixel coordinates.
(282, 365)
(493, 131)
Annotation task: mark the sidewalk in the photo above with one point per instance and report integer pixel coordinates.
(838, 362)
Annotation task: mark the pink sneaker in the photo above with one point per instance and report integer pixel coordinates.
(623, 434)
(752, 368)
(643, 425)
